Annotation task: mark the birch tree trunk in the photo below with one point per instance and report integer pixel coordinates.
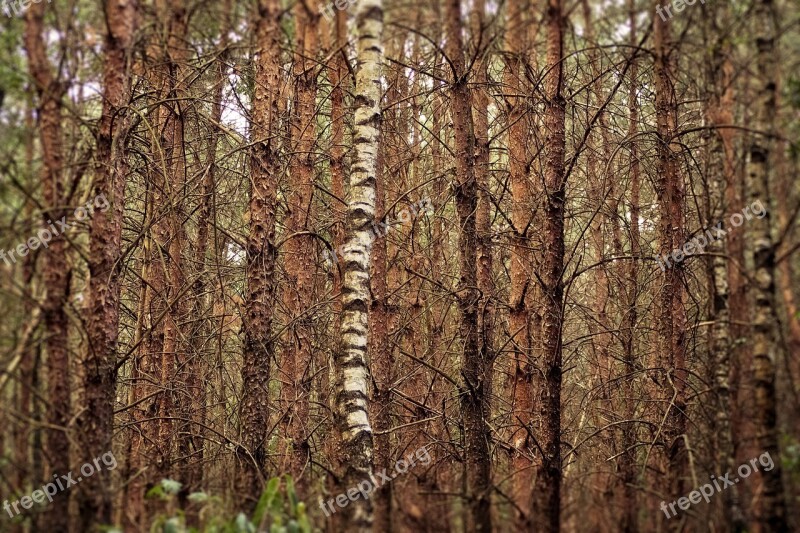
(770, 510)
(352, 373)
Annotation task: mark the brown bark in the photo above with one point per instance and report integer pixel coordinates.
(483, 224)
(298, 292)
(628, 496)
(261, 256)
(672, 319)
(382, 359)
(56, 271)
(102, 320)
(168, 232)
(521, 367)
(195, 371)
(723, 175)
(475, 406)
(545, 510)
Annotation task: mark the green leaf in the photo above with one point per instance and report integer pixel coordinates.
(198, 497)
(243, 525)
(265, 502)
(156, 492)
(292, 495)
(174, 525)
(171, 486)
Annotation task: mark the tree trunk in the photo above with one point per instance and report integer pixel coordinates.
(102, 313)
(352, 373)
(723, 174)
(770, 512)
(521, 367)
(298, 291)
(261, 255)
(474, 399)
(628, 496)
(56, 273)
(545, 510)
(669, 189)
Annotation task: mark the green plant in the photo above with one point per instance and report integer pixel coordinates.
(278, 511)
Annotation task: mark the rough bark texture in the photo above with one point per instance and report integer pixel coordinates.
(672, 326)
(102, 320)
(261, 254)
(723, 173)
(381, 358)
(628, 477)
(352, 374)
(522, 279)
(298, 291)
(483, 223)
(545, 510)
(474, 398)
(169, 234)
(56, 272)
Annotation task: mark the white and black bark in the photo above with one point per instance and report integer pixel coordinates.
(351, 369)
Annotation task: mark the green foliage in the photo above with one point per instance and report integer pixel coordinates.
(278, 511)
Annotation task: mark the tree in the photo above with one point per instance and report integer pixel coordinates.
(261, 253)
(50, 91)
(102, 314)
(352, 416)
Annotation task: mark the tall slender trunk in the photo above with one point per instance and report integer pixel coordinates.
(298, 292)
(474, 399)
(521, 367)
(168, 232)
(784, 186)
(603, 224)
(436, 481)
(56, 273)
(628, 496)
(381, 359)
(547, 486)
(669, 189)
(770, 512)
(195, 371)
(102, 318)
(339, 80)
(740, 380)
(723, 173)
(352, 373)
(261, 254)
(483, 223)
